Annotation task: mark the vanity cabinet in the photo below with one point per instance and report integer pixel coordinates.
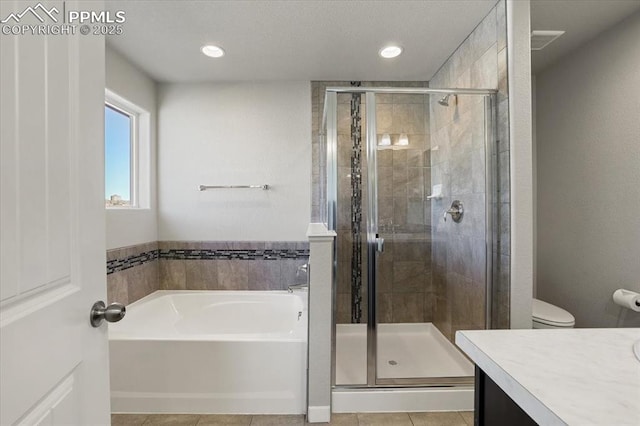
(493, 407)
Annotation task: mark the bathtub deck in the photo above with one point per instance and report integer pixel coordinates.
(404, 351)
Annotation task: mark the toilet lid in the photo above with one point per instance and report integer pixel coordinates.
(549, 314)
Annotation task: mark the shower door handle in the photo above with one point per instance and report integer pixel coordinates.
(379, 244)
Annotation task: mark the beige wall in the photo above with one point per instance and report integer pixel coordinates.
(588, 158)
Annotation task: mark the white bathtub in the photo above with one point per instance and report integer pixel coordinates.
(227, 352)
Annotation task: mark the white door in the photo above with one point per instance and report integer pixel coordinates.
(53, 364)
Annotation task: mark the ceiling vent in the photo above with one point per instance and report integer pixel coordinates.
(541, 39)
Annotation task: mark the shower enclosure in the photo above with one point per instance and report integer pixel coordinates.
(408, 184)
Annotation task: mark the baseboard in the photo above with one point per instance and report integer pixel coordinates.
(141, 402)
(320, 414)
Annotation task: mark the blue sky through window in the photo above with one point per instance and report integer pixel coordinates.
(117, 147)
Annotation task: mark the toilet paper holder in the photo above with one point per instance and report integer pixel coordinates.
(627, 299)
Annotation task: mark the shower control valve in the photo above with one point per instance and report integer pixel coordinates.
(456, 211)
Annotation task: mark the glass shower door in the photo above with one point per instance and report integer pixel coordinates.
(427, 271)
(403, 270)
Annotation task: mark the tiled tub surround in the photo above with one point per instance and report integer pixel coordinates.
(458, 249)
(234, 266)
(134, 272)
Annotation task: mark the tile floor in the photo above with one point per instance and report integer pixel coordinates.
(451, 418)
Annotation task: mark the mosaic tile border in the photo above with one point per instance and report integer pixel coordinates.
(356, 206)
(227, 254)
(122, 264)
(117, 265)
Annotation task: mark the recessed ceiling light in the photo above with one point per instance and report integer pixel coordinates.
(212, 51)
(390, 51)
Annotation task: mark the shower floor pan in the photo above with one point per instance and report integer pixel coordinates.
(404, 351)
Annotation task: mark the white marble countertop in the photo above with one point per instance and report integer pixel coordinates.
(558, 377)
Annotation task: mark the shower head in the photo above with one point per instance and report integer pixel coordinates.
(445, 100)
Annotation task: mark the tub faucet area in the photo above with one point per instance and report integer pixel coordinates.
(297, 287)
(302, 269)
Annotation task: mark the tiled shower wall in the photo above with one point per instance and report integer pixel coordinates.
(134, 272)
(404, 280)
(458, 250)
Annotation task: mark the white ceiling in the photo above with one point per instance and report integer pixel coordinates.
(331, 39)
(294, 40)
(581, 19)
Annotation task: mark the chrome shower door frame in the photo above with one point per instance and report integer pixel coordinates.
(372, 238)
(330, 124)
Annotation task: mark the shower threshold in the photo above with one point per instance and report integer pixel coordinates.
(415, 350)
(406, 350)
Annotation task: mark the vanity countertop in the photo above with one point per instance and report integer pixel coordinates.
(574, 377)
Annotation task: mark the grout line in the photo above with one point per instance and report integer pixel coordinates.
(463, 419)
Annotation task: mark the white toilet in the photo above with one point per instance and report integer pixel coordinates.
(546, 315)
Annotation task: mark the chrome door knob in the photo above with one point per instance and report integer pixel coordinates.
(112, 313)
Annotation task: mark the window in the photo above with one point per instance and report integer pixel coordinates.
(118, 126)
(126, 148)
